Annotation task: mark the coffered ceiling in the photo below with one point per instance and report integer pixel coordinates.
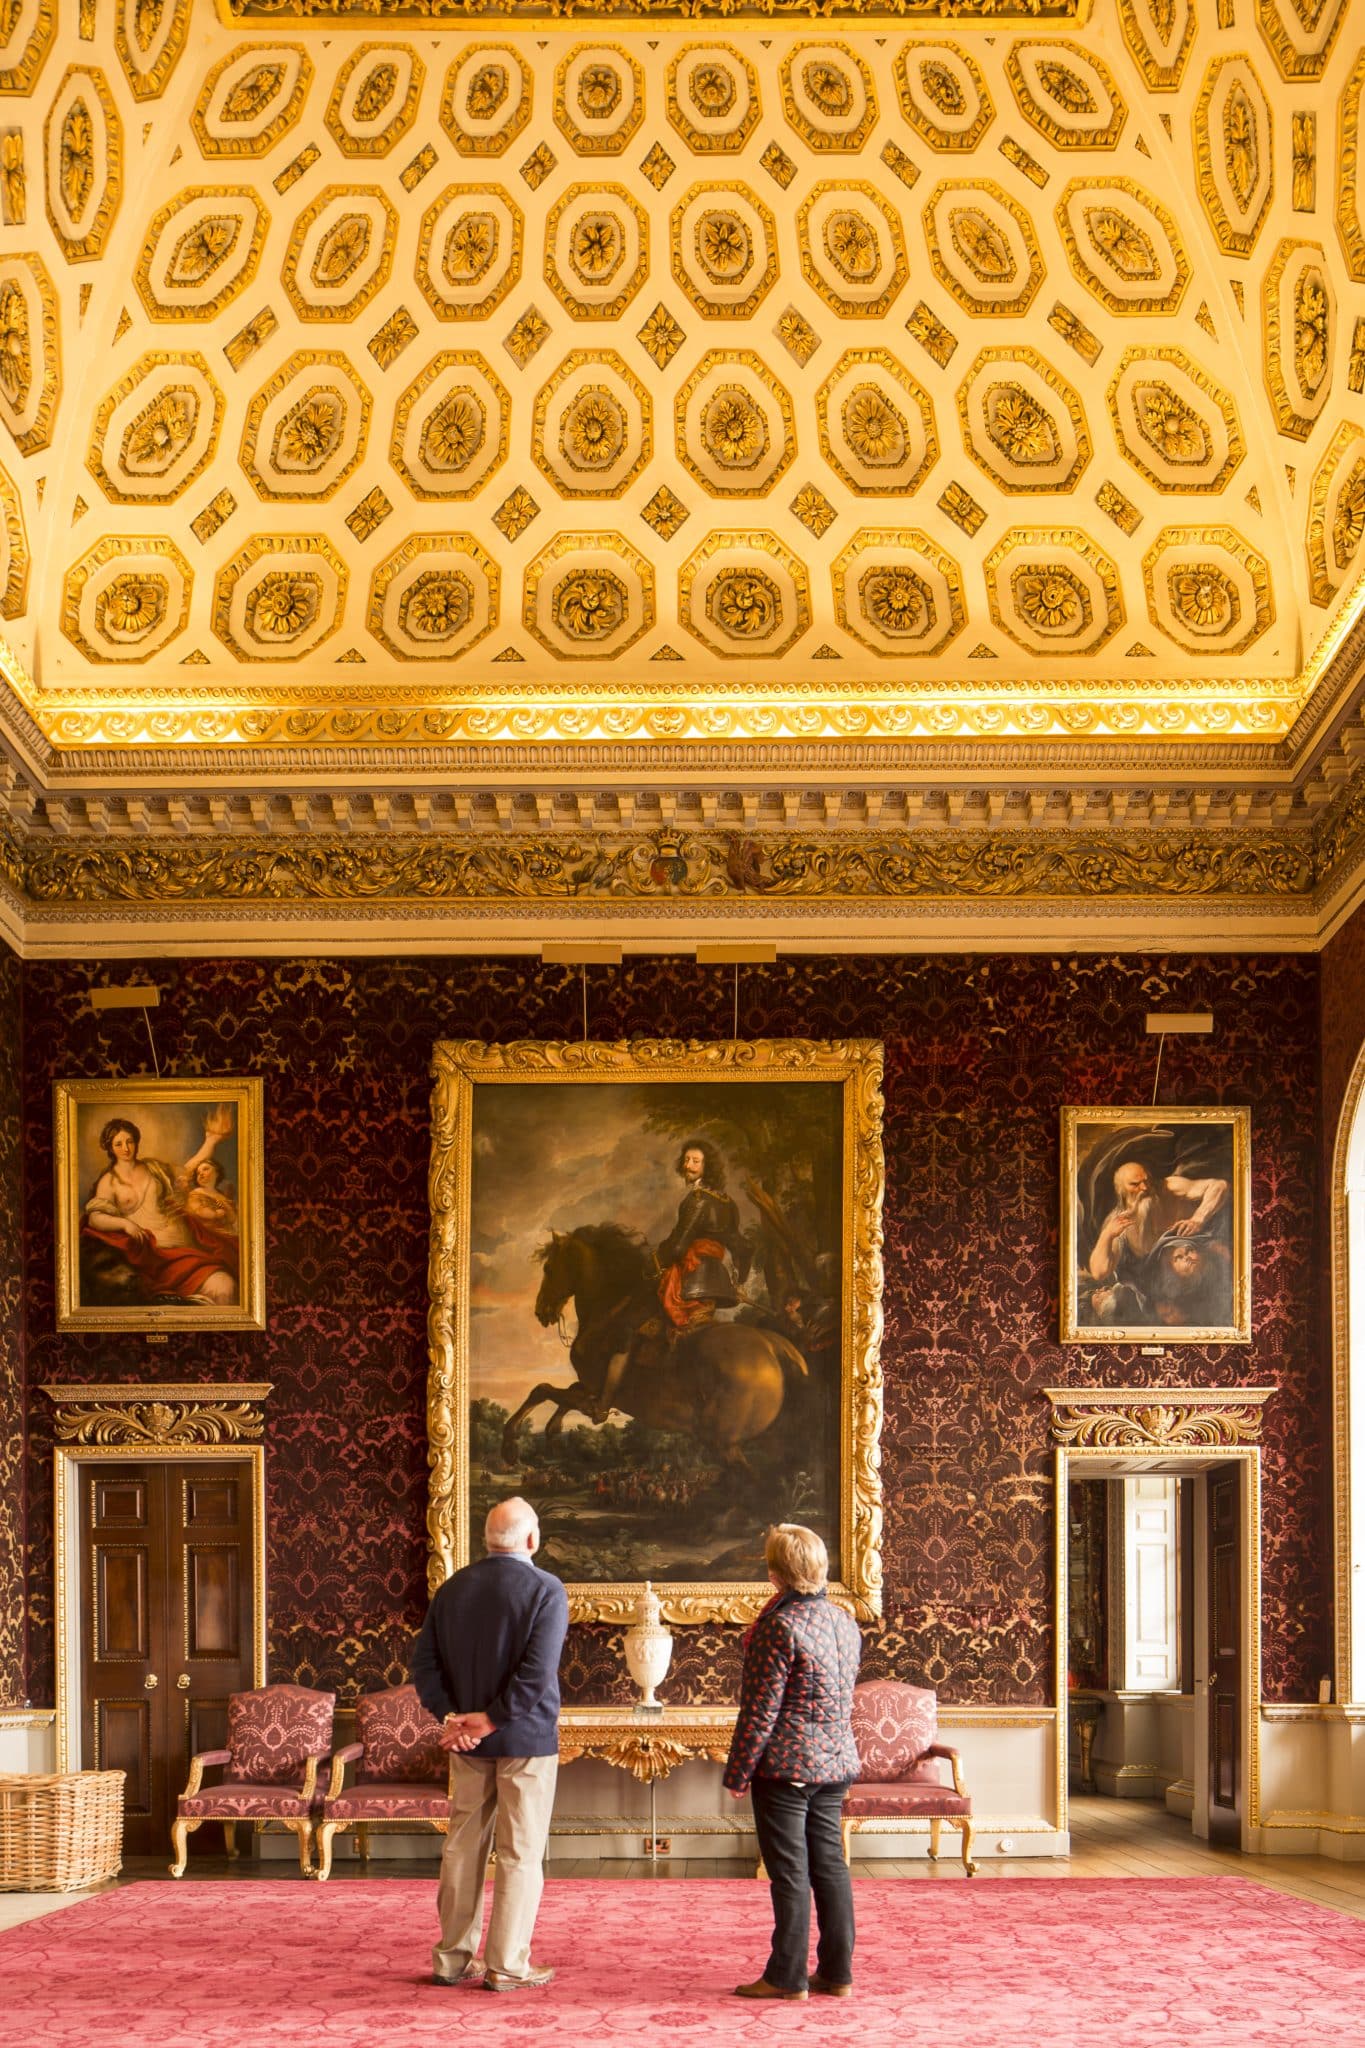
(894, 424)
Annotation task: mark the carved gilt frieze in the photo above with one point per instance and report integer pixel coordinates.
(1157, 1418)
(655, 867)
(158, 1415)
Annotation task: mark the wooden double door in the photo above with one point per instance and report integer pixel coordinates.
(168, 1621)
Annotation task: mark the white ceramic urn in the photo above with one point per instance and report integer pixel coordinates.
(649, 1648)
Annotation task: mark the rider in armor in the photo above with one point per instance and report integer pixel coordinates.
(706, 1250)
(699, 1262)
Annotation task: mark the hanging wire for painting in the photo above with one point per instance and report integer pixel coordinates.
(147, 1021)
(1156, 1081)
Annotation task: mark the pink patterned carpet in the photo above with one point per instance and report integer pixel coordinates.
(1025, 1963)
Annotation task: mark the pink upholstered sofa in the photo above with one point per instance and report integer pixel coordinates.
(402, 1775)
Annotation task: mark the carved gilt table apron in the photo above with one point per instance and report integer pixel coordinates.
(650, 1747)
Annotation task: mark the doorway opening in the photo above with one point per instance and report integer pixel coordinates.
(1348, 1385)
(1158, 1628)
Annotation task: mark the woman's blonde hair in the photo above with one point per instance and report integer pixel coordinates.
(797, 1557)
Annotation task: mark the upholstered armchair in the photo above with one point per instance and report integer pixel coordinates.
(402, 1774)
(277, 1738)
(895, 1727)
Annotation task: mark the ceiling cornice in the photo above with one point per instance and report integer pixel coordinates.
(266, 870)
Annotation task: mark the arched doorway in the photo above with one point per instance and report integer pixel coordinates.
(1348, 1355)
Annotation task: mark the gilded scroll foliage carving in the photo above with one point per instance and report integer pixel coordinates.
(809, 867)
(1157, 1424)
(160, 1422)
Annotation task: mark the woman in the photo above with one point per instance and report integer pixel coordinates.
(793, 1750)
(143, 1209)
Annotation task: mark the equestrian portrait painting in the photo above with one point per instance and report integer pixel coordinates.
(656, 1295)
(160, 1204)
(1156, 1226)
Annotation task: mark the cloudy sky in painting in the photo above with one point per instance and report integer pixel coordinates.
(551, 1158)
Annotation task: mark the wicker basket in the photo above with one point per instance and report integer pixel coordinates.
(60, 1833)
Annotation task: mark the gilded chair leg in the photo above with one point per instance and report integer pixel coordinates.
(846, 1839)
(230, 1839)
(328, 1829)
(966, 1827)
(935, 1830)
(362, 1840)
(181, 1830)
(304, 1830)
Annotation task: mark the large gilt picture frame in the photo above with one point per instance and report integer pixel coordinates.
(655, 1310)
(160, 1194)
(1156, 1226)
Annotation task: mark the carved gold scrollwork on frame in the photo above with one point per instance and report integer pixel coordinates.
(159, 1415)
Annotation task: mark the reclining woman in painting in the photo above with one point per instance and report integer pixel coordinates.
(793, 1751)
(161, 1222)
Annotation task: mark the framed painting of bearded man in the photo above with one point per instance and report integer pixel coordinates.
(160, 1204)
(1156, 1226)
(655, 1291)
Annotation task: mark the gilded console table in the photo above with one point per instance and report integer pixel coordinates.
(650, 1747)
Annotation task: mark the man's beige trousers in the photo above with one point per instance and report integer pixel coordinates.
(502, 1802)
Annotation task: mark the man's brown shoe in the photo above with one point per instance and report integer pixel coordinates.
(472, 1973)
(763, 1989)
(536, 1975)
(823, 1986)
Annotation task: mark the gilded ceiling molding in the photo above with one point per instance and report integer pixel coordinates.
(1341, 833)
(617, 868)
(1084, 761)
(595, 593)
(1332, 677)
(1042, 592)
(13, 865)
(1188, 1419)
(326, 14)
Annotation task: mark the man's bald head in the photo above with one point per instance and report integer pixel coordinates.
(512, 1525)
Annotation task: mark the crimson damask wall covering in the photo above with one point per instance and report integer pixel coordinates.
(980, 1056)
(11, 1344)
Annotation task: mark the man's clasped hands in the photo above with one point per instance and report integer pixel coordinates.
(464, 1731)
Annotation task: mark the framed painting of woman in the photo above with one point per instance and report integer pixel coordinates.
(160, 1204)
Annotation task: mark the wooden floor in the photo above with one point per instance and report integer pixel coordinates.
(1109, 1838)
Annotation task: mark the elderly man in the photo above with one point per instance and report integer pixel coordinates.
(487, 1663)
(1146, 1209)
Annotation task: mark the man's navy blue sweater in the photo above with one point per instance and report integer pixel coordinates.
(490, 1644)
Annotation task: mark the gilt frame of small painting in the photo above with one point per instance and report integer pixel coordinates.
(655, 1291)
(1156, 1226)
(160, 1198)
